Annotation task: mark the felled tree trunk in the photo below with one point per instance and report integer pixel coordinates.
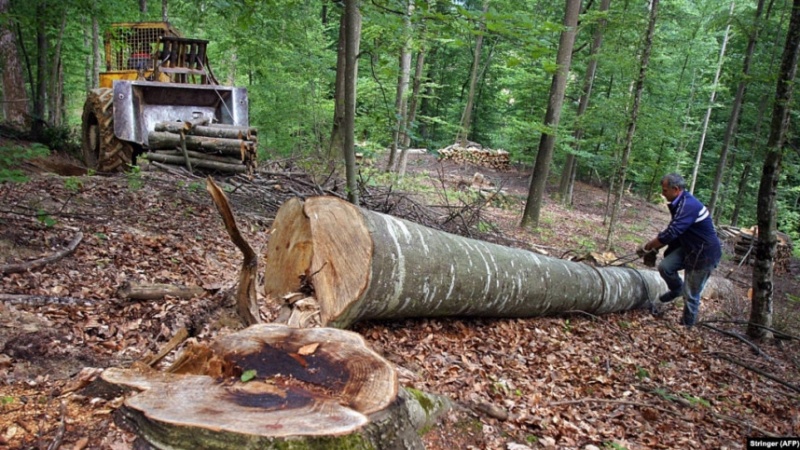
(270, 387)
(358, 264)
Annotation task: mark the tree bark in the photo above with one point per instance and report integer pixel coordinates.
(401, 97)
(214, 131)
(155, 291)
(710, 108)
(363, 265)
(736, 108)
(466, 117)
(637, 98)
(544, 156)
(223, 146)
(15, 97)
(570, 166)
(761, 311)
(96, 58)
(40, 93)
(414, 101)
(56, 79)
(197, 163)
(352, 39)
(307, 389)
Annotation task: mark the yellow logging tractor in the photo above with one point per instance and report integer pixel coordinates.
(157, 82)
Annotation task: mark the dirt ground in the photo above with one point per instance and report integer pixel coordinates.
(626, 380)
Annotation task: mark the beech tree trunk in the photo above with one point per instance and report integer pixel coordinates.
(352, 39)
(547, 142)
(761, 311)
(733, 121)
(362, 265)
(466, 117)
(570, 166)
(336, 149)
(15, 98)
(710, 108)
(401, 99)
(637, 98)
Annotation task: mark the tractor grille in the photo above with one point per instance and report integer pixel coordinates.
(132, 48)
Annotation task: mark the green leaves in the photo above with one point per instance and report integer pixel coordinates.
(248, 375)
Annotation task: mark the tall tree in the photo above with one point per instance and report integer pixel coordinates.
(570, 166)
(533, 206)
(56, 97)
(736, 108)
(466, 117)
(766, 243)
(352, 24)
(637, 98)
(15, 98)
(336, 149)
(714, 88)
(42, 47)
(401, 97)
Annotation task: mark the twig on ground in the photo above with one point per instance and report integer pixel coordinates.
(35, 264)
(684, 402)
(42, 300)
(778, 334)
(756, 370)
(613, 401)
(62, 427)
(753, 346)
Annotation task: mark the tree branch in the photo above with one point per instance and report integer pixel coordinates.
(24, 267)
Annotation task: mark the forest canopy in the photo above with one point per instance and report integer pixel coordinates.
(285, 53)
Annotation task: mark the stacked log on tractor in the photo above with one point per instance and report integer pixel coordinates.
(476, 154)
(204, 146)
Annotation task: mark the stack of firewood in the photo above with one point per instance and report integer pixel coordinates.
(476, 154)
(199, 145)
(743, 241)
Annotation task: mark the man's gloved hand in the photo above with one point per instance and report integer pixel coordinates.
(650, 258)
(641, 251)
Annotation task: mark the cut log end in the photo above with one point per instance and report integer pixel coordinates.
(334, 267)
(264, 383)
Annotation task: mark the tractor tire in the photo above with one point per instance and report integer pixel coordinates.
(102, 150)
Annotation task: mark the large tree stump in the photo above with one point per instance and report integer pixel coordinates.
(317, 388)
(359, 264)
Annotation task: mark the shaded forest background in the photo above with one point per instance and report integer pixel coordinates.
(285, 53)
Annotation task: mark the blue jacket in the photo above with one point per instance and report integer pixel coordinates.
(692, 229)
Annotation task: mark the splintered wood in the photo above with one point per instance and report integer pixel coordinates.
(200, 145)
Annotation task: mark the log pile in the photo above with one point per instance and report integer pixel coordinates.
(743, 241)
(207, 147)
(476, 154)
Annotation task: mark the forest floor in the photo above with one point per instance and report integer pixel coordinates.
(623, 380)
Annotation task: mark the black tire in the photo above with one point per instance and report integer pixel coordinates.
(102, 150)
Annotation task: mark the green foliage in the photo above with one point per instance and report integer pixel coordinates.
(45, 219)
(73, 184)
(613, 445)
(696, 400)
(134, 177)
(248, 375)
(642, 373)
(11, 156)
(6, 400)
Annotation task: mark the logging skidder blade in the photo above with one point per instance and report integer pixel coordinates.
(364, 265)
